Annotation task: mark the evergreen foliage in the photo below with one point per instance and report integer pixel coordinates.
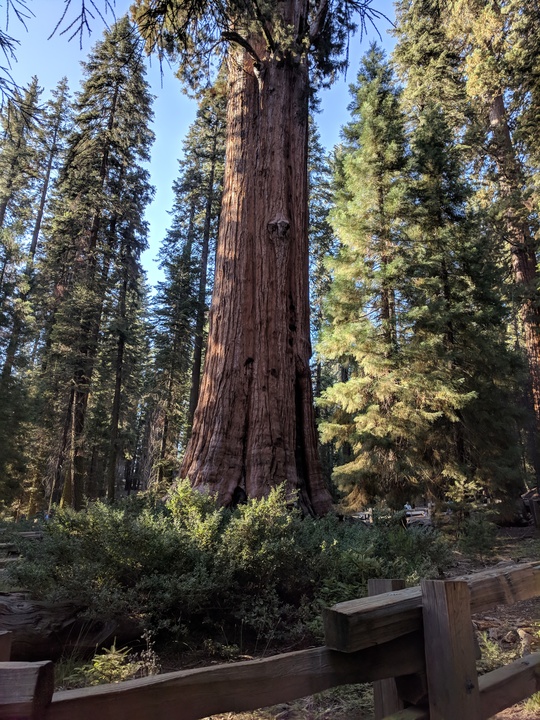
(415, 311)
(90, 272)
(258, 574)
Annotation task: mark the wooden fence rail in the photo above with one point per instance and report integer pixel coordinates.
(421, 637)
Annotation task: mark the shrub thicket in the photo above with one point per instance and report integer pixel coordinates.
(259, 572)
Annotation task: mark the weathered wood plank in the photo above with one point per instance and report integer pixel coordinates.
(450, 653)
(357, 624)
(193, 694)
(26, 690)
(5, 646)
(386, 698)
(509, 685)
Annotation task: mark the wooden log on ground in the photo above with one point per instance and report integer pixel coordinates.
(451, 673)
(386, 698)
(5, 646)
(26, 690)
(357, 624)
(238, 687)
(8, 547)
(5, 561)
(43, 631)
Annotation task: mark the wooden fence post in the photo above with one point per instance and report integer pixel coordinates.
(386, 699)
(452, 678)
(5, 645)
(26, 690)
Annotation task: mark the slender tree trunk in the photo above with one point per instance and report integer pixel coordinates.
(254, 427)
(43, 198)
(9, 185)
(115, 414)
(201, 301)
(90, 326)
(523, 254)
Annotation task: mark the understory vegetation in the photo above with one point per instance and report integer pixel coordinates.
(243, 579)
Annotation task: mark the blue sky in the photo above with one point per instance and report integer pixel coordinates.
(51, 59)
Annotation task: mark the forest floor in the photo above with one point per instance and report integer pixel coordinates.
(504, 635)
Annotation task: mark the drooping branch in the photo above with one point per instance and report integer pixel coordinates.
(317, 24)
(264, 26)
(239, 40)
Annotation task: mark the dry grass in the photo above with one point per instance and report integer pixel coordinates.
(350, 702)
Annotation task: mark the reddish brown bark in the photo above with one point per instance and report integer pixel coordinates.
(523, 253)
(254, 427)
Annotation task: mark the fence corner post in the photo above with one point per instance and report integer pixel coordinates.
(386, 699)
(5, 645)
(452, 678)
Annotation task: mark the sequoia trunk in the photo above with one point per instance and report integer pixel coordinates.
(254, 427)
(523, 254)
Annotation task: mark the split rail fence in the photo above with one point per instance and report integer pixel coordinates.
(415, 644)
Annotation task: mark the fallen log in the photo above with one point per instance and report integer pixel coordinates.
(44, 631)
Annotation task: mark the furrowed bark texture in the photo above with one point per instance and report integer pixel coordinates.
(254, 427)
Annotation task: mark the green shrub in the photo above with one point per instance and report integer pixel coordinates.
(478, 537)
(258, 574)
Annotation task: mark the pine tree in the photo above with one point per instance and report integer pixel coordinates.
(99, 204)
(18, 160)
(48, 151)
(415, 308)
(458, 320)
(494, 80)
(361, 333)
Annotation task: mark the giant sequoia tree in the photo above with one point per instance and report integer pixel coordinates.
(254, 425)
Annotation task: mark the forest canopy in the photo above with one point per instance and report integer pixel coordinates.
(413, 244)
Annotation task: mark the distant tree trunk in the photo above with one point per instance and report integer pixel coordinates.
(254, 427)
(523, 254)
(90, 326)
(201, 300)
(115, 414)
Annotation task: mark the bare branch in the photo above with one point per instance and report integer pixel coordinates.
(81, 23)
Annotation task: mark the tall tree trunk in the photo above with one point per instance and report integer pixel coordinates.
(90, 325)
(201, 300)
(523, 254)
(254, 427)
(119, 366)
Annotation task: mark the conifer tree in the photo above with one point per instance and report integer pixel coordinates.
(361, 333)
(492, 46)
(50, 132)
(99, 204)
(415, 305)
(254, 427)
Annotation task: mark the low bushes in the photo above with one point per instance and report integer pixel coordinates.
(257, 574)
